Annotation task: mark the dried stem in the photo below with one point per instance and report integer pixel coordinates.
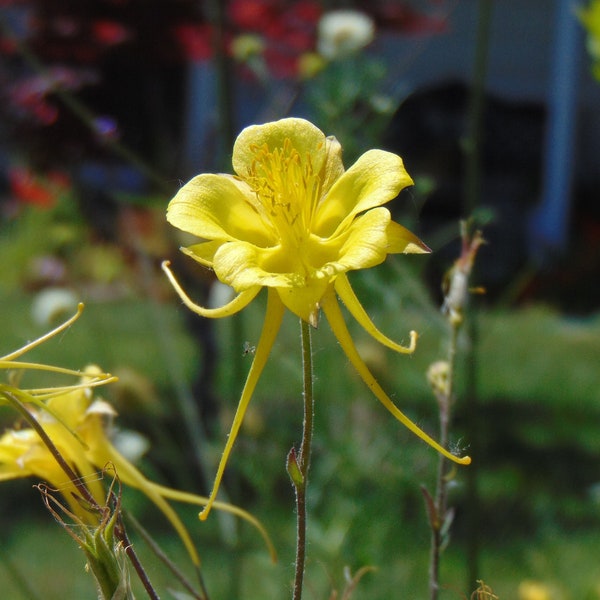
(162, 556)
(121, 535)
(442, 377)
(440, 510)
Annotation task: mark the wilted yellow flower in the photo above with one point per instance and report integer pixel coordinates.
(294, 221)
(247, 45)
(310, 64)
(534, 590)
(76, 423)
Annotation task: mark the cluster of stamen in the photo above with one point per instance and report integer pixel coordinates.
(286, 189)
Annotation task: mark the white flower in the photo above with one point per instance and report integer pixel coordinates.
(343, 32)
(52, 304)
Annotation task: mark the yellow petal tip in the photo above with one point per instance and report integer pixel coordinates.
(203, 515)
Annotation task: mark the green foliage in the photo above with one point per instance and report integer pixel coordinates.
(538, 384)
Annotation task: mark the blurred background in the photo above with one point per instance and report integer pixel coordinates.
(108, 106)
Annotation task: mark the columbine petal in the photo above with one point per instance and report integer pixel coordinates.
(273, 318)
(45, 337)
(188, 498)
(335, 318)
(242, 265)
(240, 301)
(102, 453)
(304, 301)
(218, 207)
(308, 141)
(204, 253)
(346, 293)
(333, 168)
(366, 243)
(375, 178)
(403, 241)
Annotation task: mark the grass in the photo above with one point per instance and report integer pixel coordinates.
(540, 396)
(564, 561)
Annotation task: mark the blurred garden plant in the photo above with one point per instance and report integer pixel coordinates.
(590, 19)
(67, 445)
(441, 376)
(293, 220)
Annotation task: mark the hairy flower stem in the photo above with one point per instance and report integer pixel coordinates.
(162, 556)
(441, 376)
(123, 538)
(300, 480)
(441, 487)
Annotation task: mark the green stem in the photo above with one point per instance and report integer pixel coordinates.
(162, 556)
(303, 461)
(441, 489)
(121, 534)
(472, 427)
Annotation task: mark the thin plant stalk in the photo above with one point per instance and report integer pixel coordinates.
(445, 401)
(442, 376)
(121, 532)
(162, 556)
(299, 464)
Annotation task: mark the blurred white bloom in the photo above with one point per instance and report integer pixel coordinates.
(383, 104)
(343, 32)
(131, 444)
(52, 304)
(594, 493)
(220, 294)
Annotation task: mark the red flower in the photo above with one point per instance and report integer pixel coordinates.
(403, 18)
(252, 15)
(288, 29)
(42, 191)
(195, 41)
(29, 96)
(110, 33)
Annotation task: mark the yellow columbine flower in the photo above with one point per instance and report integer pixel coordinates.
(294, 221)
(76, 423)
